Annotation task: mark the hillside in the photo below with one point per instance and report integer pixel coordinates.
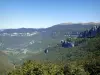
(23, 42)
(29, 44)
(5, 64)
(79, 60)
(83, 47)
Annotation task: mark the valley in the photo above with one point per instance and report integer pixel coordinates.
(24, 44)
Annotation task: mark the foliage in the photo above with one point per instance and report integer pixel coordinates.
(79, 60)
(89, 65)
(35, 68)
(5, 64)
(93, 66)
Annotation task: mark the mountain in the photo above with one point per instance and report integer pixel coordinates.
(90, 33)
(84, 46)
(23, 42)
(82, 59)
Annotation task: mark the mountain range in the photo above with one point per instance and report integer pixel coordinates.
(22, 42)
(18, 45)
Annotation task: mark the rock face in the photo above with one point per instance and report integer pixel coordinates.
(67, 44)
(90, 33)
(46, 51)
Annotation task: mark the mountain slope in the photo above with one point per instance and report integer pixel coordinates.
(79, 60)
(29, 38)
(23, 42)
(84, 47)
(5, 64)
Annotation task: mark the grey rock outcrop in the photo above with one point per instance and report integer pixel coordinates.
(67, 44)
(90, 33)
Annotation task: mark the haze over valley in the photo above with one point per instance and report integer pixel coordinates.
(49, 37)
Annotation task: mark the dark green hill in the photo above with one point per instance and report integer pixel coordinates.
(5, 64)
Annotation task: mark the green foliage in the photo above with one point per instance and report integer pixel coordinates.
(65, 61)
(69, 39)
(93, 66)
(35, 68)
(80, 41)
(83, 60)
(94, 44)
(5, 64)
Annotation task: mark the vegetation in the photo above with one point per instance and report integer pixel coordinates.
(34, 68)
(83, 59)
(88, 65)
(5, 64)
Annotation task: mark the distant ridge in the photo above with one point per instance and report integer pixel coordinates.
(83, 23)
(66, 23)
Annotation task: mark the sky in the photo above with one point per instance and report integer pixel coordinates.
(46, 13)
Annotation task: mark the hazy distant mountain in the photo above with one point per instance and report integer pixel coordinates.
(26, 37)
(19, 43)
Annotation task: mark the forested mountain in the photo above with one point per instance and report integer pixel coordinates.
(44, 45)
(29, 38)
(22, 42)
(83, 59)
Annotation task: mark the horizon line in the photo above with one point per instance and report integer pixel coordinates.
(65, 23)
